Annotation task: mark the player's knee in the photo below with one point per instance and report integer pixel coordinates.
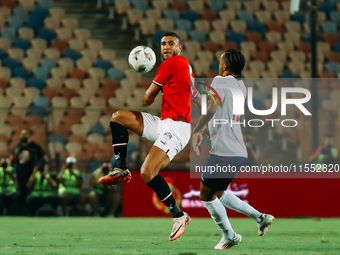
(118, 117)
(205, 197)
(202, 197)
(146, 174)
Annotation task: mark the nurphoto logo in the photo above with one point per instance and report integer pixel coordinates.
(298, 97)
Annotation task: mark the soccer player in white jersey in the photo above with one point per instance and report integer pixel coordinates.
(227, 148)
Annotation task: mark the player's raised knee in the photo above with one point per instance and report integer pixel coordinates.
(119, 117)
(205, 196)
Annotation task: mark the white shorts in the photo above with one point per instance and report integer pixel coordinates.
(168, 135)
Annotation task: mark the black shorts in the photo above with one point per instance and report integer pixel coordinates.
(222, 172)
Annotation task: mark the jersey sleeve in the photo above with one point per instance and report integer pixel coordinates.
(164, 72)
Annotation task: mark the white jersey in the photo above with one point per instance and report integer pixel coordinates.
(227, 139)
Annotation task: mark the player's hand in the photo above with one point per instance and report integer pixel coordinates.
(197, 139)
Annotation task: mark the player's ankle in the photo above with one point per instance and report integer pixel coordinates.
(260, 218)
(177, 215)
(121, 163)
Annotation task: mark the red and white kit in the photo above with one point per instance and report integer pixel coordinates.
(172, 131)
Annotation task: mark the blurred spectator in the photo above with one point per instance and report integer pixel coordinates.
(107, 197)
(327, 154)
(7, 186)
(70, 182)
(26, 155)
(44, 186)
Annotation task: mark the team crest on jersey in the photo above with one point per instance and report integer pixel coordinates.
(167, 135)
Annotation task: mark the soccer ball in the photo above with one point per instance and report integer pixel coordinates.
(142, 59)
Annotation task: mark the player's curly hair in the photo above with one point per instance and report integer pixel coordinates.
(235, 61)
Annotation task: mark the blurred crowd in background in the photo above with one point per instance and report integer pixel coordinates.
(30, 186)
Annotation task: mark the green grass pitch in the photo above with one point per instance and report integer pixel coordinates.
(150, 236)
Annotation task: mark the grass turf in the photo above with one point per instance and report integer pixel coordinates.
(150, 236)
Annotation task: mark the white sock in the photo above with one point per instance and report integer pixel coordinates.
(231, 201)
(219, 215)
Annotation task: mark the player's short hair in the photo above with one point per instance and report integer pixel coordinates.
(174, 35)
(235, 61)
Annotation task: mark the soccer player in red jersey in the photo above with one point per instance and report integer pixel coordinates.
(170, 133)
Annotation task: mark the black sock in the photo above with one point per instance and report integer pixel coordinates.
(120, 138)
(162, 189)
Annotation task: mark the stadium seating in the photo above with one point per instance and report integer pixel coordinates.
(178, 5)
(190, 15)
(246, 16)
(31, 93)
(172, 14)
(83, 34)
(134, 16)
(9, 33)
(164, 25)
(198, 36)
(67, 63)
(184, 25)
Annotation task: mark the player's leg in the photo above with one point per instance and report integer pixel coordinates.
(212, 187)
(209, 198)
(233, 202)
(227, 198)
(121, 121)
(154, 162)
(172, 137)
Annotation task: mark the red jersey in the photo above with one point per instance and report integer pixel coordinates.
(176, 78)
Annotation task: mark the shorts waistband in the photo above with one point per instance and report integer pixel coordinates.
(182, 119)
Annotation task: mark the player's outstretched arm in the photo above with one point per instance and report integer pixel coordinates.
(151, 94)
